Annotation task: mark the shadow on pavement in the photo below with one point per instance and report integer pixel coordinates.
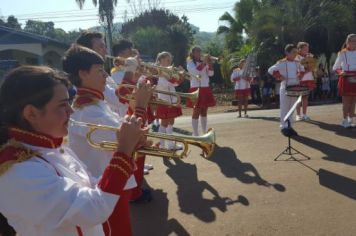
(152, 218)
(338, 183)
(274, 119)
(336, 128)
(332, 153)
(190, 192)
(232, 167)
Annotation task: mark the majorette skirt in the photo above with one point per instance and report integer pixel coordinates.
(308, 83)
(242, 92)
(206, 98)
(346, 88)
(166, 112)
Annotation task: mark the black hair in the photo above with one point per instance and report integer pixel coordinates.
(122, 45)
(78, 58)
(289, 47)
(25, 85)
(5, 228)
(194, 48)
(86, 38)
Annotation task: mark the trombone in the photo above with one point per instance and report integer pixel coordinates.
(205, 142)
(192, 96)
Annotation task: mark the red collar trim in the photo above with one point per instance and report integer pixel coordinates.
(86, 97)
(90, 93)
(35, 139)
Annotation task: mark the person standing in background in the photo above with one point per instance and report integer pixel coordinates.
(202, 67)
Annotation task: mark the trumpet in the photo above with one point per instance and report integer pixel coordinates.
(205, 142)
(192, 96)
(117, 61)
(207, 57)
(150, 69)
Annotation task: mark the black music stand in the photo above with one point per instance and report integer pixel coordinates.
(289, 150)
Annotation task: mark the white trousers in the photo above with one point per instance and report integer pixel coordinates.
(286, 102)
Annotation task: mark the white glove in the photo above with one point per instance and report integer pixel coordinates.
(131, 64)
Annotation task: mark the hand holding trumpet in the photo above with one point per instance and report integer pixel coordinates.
(131, 136)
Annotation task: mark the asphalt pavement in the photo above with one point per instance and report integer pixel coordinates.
(241, 190)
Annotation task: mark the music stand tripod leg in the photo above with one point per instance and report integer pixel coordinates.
(288, 150)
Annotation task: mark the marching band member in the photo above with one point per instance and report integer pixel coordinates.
(48, 189)
(92, 41)
(123, 49)
(242, 86)
(131, 77)
(86, 72)
(307, 80)
(96, 42)
(288, 71)
(204, 69)
(345, 67)
(165, 113)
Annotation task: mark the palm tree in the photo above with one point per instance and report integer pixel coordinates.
(106, 14)
(233, 31)
(317, 22)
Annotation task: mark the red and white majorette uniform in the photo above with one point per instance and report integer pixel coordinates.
(167, 112)
(206, 97)
(292, 71)
(148, 117)
(345, 66)
(308, 78)
(242, 85)
(90, 107)
(118, 75)
(46, 190)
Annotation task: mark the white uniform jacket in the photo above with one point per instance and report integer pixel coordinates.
(97, 112)
(53, 211)
(110, 95)
(242, 83)
(346, 61)
(289, 70)
(118, 76)
(203, 71)
(165, 85)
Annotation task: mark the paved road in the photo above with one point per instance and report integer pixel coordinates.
(242, 191)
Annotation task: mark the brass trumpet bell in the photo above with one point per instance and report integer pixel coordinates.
(205, 142)
(192, 96)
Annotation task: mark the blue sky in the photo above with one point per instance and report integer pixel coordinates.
(66, 14)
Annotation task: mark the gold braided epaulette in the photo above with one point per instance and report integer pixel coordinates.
(14, 152)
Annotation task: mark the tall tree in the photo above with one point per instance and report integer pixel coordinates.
(159, 18)
(41, 28)
(11, 22)
(170, 32)
(139, 6)
(106, 15)
(270, 24)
